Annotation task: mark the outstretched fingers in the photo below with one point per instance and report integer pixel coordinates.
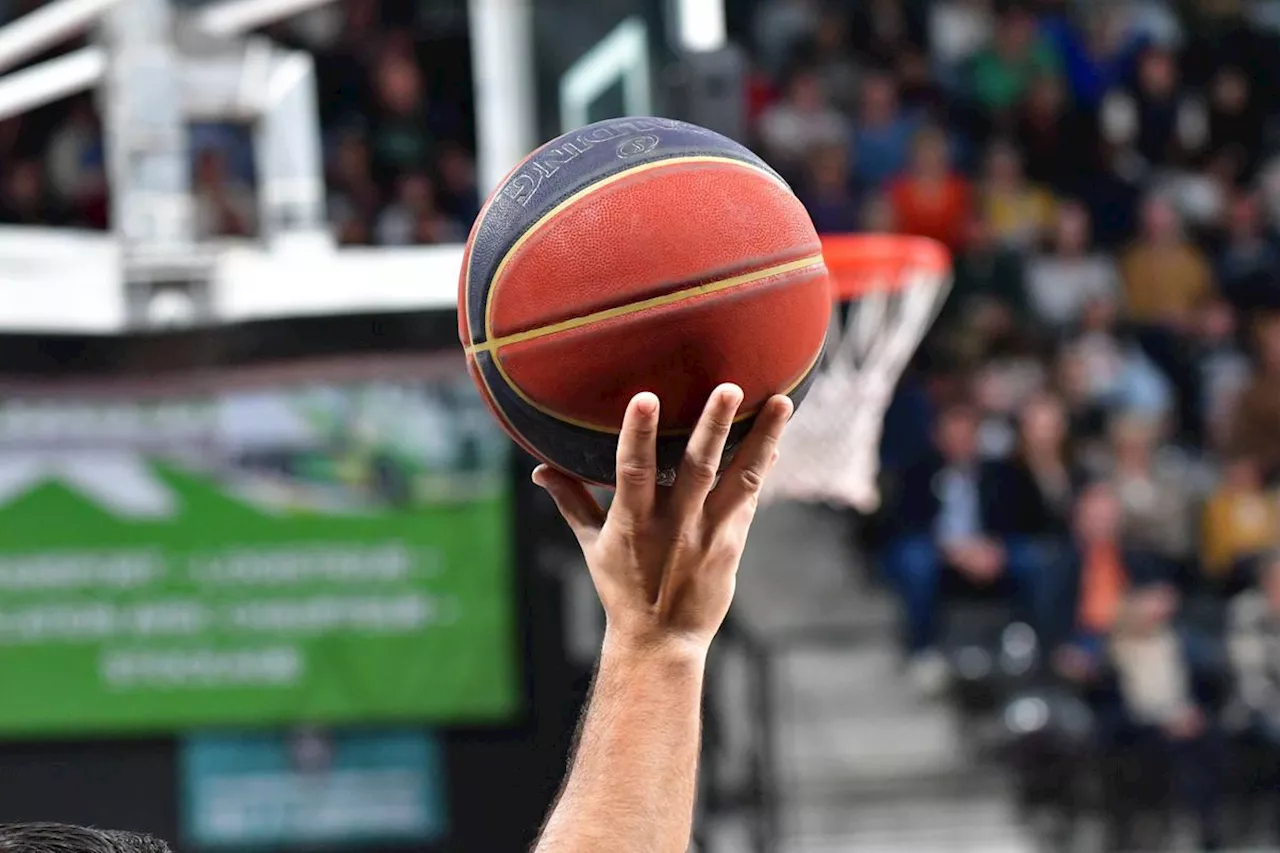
(637, 464)
(580, 510)
(701, 464)
(741, 484)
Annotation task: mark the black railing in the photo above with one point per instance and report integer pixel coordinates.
(739, 773)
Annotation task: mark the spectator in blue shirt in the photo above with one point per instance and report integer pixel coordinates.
(1096, 57)
(827, 191)
(949, 515)
(882, 138)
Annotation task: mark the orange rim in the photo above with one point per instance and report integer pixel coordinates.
(860, 262)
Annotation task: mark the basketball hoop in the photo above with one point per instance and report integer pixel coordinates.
(888, 289)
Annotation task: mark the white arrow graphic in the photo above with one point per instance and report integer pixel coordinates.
(119, 482)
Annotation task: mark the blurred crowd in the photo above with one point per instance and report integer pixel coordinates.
(395, 84)
(1091, 432)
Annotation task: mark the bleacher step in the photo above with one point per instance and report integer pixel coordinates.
(862, 762)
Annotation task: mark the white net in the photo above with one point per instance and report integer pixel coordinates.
(891, 288)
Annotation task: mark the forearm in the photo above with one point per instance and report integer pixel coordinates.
(632, 783)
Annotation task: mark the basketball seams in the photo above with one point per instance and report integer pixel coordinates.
(465, 312)
(464, 298)
(735, 155)
(473, 361)
(606, 443)
(703, 287)
(573, 447)
(573, 197)
(569, 197)
(791, 277)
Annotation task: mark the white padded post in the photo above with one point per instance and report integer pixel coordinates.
(502, 75)
(287, 147)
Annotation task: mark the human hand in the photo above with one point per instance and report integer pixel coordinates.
(664, 560)
(979, 560)
(990, 559)
(1186, 725)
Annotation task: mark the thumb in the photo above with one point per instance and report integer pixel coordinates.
(578, 508)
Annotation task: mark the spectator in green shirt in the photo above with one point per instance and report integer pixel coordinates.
(1017, 55)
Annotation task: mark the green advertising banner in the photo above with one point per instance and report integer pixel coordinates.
(318, 543)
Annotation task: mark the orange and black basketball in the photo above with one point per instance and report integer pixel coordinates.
(637, 254)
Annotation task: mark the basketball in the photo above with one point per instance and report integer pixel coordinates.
(638, 254)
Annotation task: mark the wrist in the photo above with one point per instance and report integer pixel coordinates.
(670, 650)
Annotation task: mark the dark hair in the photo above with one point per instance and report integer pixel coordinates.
(66, 838)
(799, 68)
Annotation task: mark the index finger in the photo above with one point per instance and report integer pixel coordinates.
(636, 478)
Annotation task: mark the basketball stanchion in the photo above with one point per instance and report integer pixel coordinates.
(888, 289)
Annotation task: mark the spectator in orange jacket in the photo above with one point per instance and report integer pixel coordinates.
(931, 200)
